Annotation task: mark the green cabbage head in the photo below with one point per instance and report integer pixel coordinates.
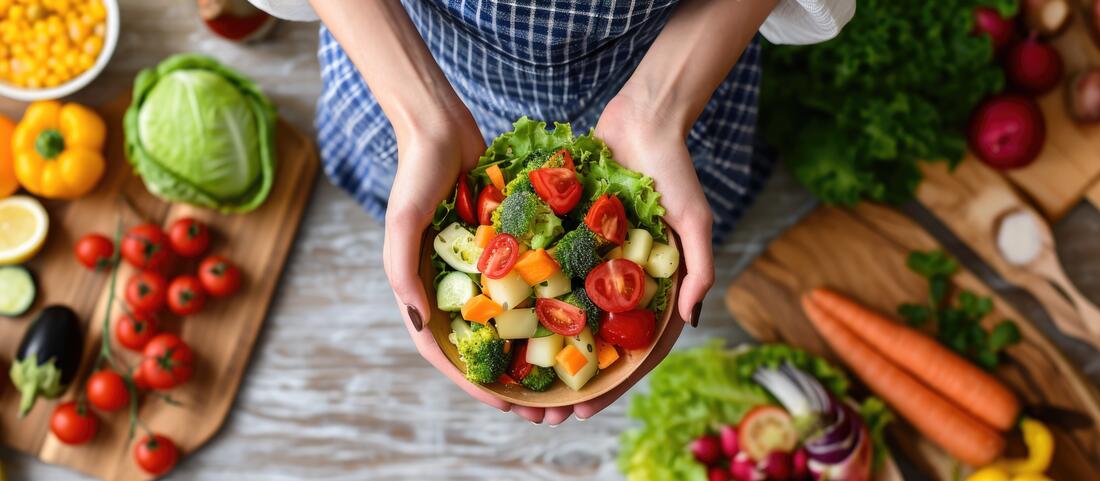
(201, 133)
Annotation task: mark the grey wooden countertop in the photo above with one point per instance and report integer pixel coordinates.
(336, 391)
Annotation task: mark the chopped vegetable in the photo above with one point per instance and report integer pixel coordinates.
(663, 261)
(570, 359)
(576, 252)
(480, 309)
(529, 219)
(495, 176)
(17, 291)
(536, 266)
(606, 354)
(509, 291)
(517, 323)
(455, 289)
(637, 247)
(498, 258)
(539, 379)
(483, 352)
(585, 345)
(456, 246)
(487, 202)
(560, 317)
(484, 234)
(592, 313)
(607, 219)
(557, 285)
(541, 351)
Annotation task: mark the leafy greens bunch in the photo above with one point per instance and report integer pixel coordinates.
(855, 115)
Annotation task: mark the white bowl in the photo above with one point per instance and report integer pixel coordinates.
(80, 81)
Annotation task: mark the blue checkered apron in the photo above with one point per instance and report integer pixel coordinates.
(561, 60)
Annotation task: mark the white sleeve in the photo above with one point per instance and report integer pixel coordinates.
(295, 10)
(807, 21)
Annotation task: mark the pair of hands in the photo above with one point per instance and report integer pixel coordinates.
(434, 155)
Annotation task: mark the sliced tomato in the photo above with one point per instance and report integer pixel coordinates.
(566, 159)
(616, 285)
(520, 368)
(630, 329)
(607, 217)
(560, 317)
(499, 257)
(766, 429)
(464, 201)
(559, 187)
(488, 201)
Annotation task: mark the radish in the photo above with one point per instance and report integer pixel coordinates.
(1047, 17)
(1033, 67)
(717, 474)
(777, 466)
(744, 468)
(1083, 96)
(730, 443)
(799, 468)
(707, 449)
(1000, 29)
(1007, 131)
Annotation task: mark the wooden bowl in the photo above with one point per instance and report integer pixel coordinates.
(559, 394)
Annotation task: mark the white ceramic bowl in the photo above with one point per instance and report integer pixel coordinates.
(80, 81)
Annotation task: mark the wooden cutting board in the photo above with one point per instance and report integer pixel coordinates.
(862, 252)
(1070, 161)
(222, 335)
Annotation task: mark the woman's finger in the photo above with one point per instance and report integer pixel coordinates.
(401, 250)
(535, 415)
(694, 228)
(556, 416)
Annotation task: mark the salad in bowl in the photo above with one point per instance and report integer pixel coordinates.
(552, 270)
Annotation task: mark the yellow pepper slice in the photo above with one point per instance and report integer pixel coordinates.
(58, 149)
(1040, 450)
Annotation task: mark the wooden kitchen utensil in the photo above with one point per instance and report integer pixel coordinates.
(222, 335)
(862, 253)
(972, 200)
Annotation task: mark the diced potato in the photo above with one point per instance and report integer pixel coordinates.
(663, 261)
(587, 346)
(517, 324)
(648, 293)
(542, 350)
(557, 285)
(637, 246)
(616, 253)
(459, 328)
(508, 291)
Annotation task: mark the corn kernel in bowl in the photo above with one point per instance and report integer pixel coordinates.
(45, 43)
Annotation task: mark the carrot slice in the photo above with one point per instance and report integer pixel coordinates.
(960, 434)
(496, 176)
(606, 354)
(571, 359)
(480, 309)
(535, 266)
(484, 234)
(949, 374)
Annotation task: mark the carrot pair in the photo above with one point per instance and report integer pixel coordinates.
(948, 399)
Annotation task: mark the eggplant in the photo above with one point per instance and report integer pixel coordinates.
(48, 357)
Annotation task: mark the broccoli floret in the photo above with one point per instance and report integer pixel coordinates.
(529, 219)
(576, 252)
(592, 314)
(539, 379)
(483, 352)
(522, 183)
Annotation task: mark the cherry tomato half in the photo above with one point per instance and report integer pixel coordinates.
(560, 317)
(219, 276)
(134, 330)
(95, 251)
(616, 285)
(607, 217)
(464, 201)
(559, 187)
(499, 256)
(189, 237)
(167, 362)
(73, 424)
(107, 391)
(488, 201)
(156, 454)
(146, 247)
(566, 159)
(145, 292)
(186, 296)
(520, 368)
(630, 329)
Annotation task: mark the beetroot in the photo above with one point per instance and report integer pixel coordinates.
(1007, 131)
(717, 474)
(707, 449)
(1000, 29)
(1033, 67)
(730, 442)
(777, 466)
(800, 471)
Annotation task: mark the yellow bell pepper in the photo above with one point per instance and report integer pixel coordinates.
(8, 184)
(58, 149)
(1031, 477)
(989, 473)
(1040, 450)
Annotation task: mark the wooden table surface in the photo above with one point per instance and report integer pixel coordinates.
(336, 390)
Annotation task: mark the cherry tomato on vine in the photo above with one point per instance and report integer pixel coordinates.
(146, 291)
(73, 424)
(189, 237)
(134, 330)
(146, 247)
(156, 454)
(219, 276)
(107, 391)
(167, 362)
(95, 251)
(186, 296)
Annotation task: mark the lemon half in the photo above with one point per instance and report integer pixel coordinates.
(23, 228)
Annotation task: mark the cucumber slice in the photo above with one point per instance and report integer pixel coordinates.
(454, 290)
(455, 245)
(17, 291)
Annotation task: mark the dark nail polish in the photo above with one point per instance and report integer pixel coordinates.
(414, 316)
(695, 313)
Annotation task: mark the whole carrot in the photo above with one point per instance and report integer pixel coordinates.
(960, 434)
(947, 373)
